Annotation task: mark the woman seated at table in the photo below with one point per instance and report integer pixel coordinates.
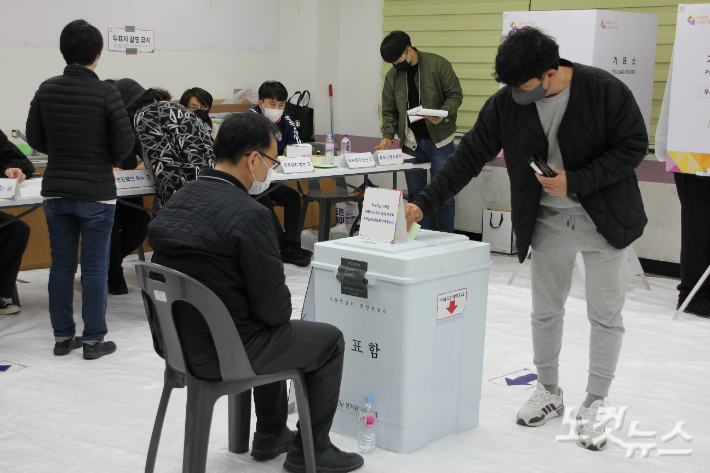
(13, 236)
(175, 144)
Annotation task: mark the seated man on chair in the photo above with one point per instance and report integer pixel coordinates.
(14, 236)
(213, 231)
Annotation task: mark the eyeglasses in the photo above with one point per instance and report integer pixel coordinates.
(275, 161)
(196, 107)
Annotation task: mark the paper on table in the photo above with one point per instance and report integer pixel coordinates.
(413, 230)
(30, 188)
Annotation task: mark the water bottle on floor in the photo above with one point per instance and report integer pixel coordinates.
(329, 150)
(345, 145)
(366, 435)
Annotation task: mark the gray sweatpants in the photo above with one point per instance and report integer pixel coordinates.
(555, 245)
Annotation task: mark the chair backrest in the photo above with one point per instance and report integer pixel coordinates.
(164, 286)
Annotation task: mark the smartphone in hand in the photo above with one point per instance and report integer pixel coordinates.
(540, 166)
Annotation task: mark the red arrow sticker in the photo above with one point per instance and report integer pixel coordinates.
(451, 304)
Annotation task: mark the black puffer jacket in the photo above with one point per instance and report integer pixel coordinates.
(12, 157)
(602, 139)
(81, 123)
(214, 231)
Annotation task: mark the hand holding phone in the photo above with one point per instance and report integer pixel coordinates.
(540, 166)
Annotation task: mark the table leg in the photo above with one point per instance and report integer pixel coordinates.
(239, 420)
(394, 180)
(18, 217)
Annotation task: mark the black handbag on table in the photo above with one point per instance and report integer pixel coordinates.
(302, 116)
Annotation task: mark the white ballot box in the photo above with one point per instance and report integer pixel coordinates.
(621, 43)
(414, 316)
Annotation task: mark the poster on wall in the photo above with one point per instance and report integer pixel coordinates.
(689, 117)
(621, 43)
(123, 40)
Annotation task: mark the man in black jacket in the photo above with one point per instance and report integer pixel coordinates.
(586, 124)
(215, 232)
(13, 236)
(81, 123)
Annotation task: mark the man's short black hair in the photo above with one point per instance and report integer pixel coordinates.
(394, 45)
(273, 90)
(242, 133)
(525, 53)
(202, 96)
(80, 43)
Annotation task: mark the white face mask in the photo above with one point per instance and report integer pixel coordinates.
(259, 187)
(273, 114)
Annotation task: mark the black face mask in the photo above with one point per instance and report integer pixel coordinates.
(402, 66)
(205, 117)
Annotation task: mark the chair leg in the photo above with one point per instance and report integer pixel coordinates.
(198, 420)
(168, 386)
(304, 210)
(15, 295)
(326, 206)
(304, 418)
(141, 253)
(239, 421)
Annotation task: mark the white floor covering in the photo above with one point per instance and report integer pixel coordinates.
(65, 414)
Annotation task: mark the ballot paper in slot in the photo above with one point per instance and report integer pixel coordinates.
(360, 160)
(133, 179)
(8, 187)
(389, 157)
(383, 216)
(417, 113)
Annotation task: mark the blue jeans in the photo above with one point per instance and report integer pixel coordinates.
(416, 180)
(66, 221)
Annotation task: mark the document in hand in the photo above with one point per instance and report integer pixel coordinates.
(427, 112)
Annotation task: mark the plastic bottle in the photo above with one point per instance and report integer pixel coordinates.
(366, 434)
(345, 145)
(329, 150)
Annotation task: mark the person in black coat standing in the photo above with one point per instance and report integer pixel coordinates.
(586, 125)
(13, 236)
(81, 123)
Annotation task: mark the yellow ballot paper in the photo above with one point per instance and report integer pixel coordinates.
(383, 216)
(413, 230)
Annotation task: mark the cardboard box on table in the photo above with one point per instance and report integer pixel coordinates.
(414, 333)
(689, 117)
(621, 43)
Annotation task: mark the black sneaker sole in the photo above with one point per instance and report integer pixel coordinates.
(293, 468)
(271, 454)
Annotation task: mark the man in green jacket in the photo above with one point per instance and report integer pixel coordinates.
(425, 79)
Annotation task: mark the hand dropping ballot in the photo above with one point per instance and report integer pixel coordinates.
(383, 216)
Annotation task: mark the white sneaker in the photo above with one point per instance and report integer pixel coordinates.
(7, 308)
(541, 406)
(591, 434)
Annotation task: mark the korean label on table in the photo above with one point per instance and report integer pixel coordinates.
(119, 40)
(360, 160)
(390, 157)
(133, 179)
(8, 188)
(296, 165)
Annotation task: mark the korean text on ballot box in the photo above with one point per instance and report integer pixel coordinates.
(413, 316)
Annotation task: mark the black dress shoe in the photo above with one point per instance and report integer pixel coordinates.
(65, 347)
(292, 255)
(97, 350)
(266, 447)
(330, 460)
(117, 289)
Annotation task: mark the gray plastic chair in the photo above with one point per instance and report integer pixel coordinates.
(161, 287)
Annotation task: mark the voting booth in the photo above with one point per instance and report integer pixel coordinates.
(689, 120)
(621, 43)
(413, 315)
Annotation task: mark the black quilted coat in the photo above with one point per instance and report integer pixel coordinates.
(602, 139)
(81, 123)
(214, 231)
